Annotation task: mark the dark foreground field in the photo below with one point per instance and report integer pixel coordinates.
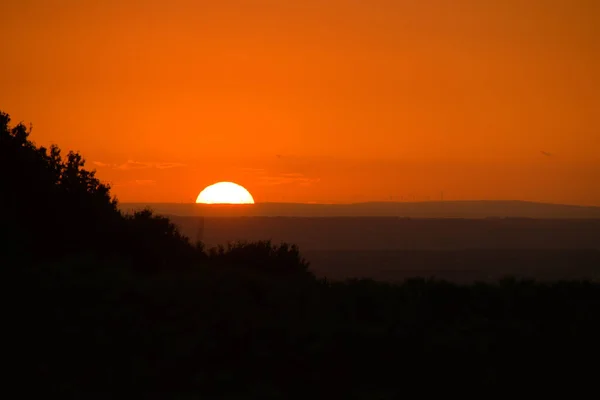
(88, 329)
(459, 266)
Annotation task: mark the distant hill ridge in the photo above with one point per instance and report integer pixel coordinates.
(430, 209)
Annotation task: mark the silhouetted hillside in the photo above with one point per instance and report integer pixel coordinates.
(102, 304)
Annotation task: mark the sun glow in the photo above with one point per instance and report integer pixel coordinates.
(225, 193)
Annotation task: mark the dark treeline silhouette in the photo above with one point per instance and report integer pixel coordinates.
(103, 304)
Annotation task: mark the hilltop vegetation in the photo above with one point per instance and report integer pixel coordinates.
(104, 303)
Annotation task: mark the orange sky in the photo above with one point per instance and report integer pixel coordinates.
(314, 100)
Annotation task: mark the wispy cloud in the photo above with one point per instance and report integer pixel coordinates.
(168, 165)
(287, 178)
(267, 178)
(131, 164)
(135, 182)
(254, 170)
(101, 164)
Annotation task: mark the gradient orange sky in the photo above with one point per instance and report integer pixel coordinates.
(314, 100)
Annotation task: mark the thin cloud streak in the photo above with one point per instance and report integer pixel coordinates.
(131, 165)
(265, 179)
(135, 182)
(287, 179)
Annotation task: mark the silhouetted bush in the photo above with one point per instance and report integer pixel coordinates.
(157, 243)
(283, 259)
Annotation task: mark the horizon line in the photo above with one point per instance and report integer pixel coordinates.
(364, 203)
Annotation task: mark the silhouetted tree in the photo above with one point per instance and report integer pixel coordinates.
(50, 203)
(52, 206)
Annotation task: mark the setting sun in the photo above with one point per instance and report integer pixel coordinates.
(225, 193)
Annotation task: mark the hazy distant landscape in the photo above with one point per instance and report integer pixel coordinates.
(429, 209)
(475, 241)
